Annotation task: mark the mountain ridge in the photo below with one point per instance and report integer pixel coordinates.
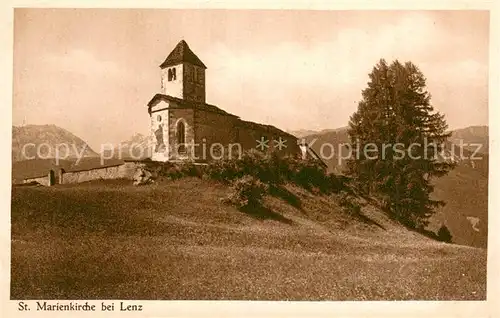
(46, 141)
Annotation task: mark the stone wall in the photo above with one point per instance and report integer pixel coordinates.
(89, 175)
(41, 180)
(194, 83)
(124, 171)
(249, 133)
(212, 129)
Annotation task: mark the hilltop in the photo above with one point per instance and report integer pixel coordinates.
(157, 242)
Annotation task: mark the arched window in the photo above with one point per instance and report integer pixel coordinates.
(181, 136)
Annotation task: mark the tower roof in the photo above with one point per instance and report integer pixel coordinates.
(182, 54)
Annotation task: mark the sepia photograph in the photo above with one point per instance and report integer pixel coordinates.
(248, 154)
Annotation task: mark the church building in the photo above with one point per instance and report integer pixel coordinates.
(185, 127)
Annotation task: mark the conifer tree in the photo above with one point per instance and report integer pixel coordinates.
(397, 141)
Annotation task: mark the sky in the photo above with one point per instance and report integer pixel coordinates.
(92, 71)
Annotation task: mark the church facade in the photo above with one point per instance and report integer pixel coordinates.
(184, 127)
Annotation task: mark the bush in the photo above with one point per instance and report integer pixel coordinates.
(246, 191)
(173, 170)
(273, 170)
(444, 234)
(311, 174)
(224, 170)
(349, 203)
(269, 168)
(255, 163)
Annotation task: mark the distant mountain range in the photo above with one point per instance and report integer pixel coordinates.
(301, 133)
(136, 147)
(472, 135)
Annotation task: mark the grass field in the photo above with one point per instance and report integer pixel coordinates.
(177, 240)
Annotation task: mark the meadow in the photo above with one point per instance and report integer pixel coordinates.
(179, 240)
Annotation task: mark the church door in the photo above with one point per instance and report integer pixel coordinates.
(52, 178)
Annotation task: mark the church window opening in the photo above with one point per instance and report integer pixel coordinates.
(172, 76)
(181, 136)
(158, 118)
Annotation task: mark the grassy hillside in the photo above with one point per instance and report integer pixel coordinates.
(116, 241)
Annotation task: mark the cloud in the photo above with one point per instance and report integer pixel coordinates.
(312, 82)
(81, 62)
(342, 60)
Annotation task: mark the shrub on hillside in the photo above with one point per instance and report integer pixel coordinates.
(444, 234)
(311, 174)
(274, 169)
(264, 167)
(349, 203)
(224, 170)
(246, 191)
(174, 170)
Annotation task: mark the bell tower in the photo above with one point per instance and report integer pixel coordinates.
(183, 74)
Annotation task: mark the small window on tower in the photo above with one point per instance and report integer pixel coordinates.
(158, 118)
(171, 74)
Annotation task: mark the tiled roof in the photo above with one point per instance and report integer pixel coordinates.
(182, 54)
(188, 104)
(269, 128)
